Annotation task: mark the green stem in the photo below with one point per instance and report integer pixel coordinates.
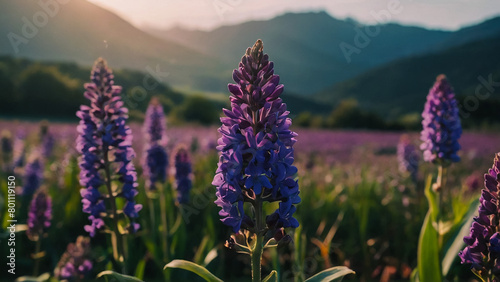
(152, 218)
(116, 237)
(38, 246)
(256, 255)
(441, 182)
(256, 258)
(164, 229)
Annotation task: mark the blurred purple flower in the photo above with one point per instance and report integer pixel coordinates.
(40, 215)
(155, 123)
(105, 145)
(7, 149)
(408, 157)
(182, 174)
(441, 124)
(195, 144)
(256, 146)
(483, 242)
(19, 154)
(75, 263)
(47, 140)
(48, 143)
(473, 182)
(7, 146)
(211, 144)
(155, 161)
(33, 175)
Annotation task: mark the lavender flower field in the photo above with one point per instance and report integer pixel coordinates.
(361, 209)
(242, 148)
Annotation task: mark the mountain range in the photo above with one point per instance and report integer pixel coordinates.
(80, 32)
(306, 47)
(388, 68)
(402, 85)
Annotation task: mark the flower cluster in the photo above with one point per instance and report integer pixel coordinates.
(182, 174)
(256, 147)
(19, 154)
(75, 263)
(33, 175)
(7, 148)
(47, 140)
(155, 161)
(473, 182)
(483, 242)
(48, 143)
(39, 215)
(441, 124)
(105, 144)
(408, 157)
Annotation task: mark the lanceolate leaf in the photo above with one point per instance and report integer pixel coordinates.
(429, 268)
(41, 278)
(456, 243)
(210, 256)
(432, 199)
(193, 267)
(272, 277)
(331, 274)
(118, 277)
(139, 270)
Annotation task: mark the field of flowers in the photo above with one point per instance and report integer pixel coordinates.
(117, 201)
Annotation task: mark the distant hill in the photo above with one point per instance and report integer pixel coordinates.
(401, 86)
(81, 32)
(305, 46)
(55, 90)
(486, 29)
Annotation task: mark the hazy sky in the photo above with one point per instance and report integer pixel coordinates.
(207, 14)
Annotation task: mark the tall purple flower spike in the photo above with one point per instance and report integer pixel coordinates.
(105, 145)
(155, 160)
(19, 153)
(48, 144)
(40, 214)
(75, 264)
(256, 146)
(7, 149)
(47, 140)
(483, 243)
(182, 174)
(408, 157)
(441, 124)
(33, 175)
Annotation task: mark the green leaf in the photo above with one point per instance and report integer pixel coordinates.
(432, 199)
(193, 267)
(414, 276)
(429, 268)
(139, 270)
(41, 278)
(456, 243)
(272, 277)
(198, 256)
(210, 256)
(331, 274)
(119, 277)
(177, 223)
